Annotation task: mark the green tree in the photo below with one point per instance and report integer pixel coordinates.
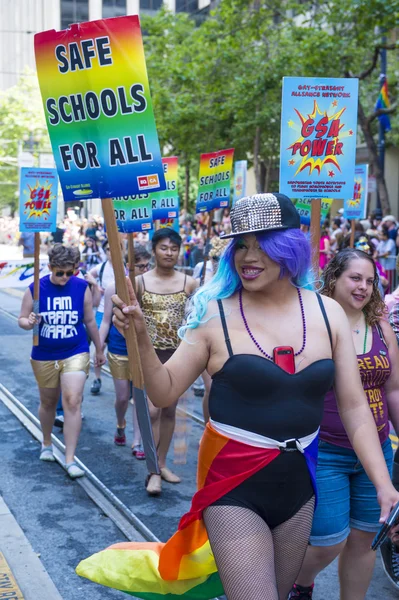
(344, 39)
(219, 84)
(22, 124)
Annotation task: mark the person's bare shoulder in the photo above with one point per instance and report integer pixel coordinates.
(205, 325)
(191, 285)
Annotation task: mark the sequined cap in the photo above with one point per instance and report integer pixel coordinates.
(262, 212)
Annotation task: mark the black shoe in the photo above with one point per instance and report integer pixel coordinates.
(96, 387)
(390, 561)
(300, 592)
(59, 421)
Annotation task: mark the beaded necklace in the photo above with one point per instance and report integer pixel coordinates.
(253, 338)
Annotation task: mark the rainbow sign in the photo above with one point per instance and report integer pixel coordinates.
(97, 104)
(165, 205)
(133, 213)
(356, 207)
(240, 180)
(38, 191)
(214, 180)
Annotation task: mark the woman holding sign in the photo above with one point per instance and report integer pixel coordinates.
(61, 361)
(273, 350)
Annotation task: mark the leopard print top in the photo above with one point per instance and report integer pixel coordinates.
(164, 314)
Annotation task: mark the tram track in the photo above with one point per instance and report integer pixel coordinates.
(110, 505)
(126, 521)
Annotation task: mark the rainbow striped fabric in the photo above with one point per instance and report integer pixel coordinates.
(184, 567)
(383, 102)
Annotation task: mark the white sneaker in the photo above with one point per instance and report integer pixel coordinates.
(74, 471)
(46, 454)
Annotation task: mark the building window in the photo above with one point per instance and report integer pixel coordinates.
(74, 11)
(151, 4)
(189, 6)
(114, 8)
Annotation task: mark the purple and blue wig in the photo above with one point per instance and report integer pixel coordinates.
(289, 248)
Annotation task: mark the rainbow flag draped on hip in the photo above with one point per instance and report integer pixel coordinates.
(184, 568)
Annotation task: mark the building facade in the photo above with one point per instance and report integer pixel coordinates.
(21, 19)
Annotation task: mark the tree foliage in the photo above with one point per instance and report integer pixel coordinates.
(22, 127)
(218, 85)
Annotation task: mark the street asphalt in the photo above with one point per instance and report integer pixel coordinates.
(59, 520)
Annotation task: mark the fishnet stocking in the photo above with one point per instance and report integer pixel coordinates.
(255, 563)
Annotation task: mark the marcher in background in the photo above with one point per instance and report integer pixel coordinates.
(104, 273)
(27, 241)
(389, 223)
(336, 235)
(163, 293)
(119, 363)
(364, 243)
(61, 361)
(386, 255)
(91, 255)
(392, 299)
(325, 251)
(96, 298)
(347, 516)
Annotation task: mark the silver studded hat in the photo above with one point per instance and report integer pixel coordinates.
(262, 212)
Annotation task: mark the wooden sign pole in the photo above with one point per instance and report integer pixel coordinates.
(131, 339)
(121, 286)
(206, 248)
(315, 218)
(352, 238)
(36, 287)
(131, 259)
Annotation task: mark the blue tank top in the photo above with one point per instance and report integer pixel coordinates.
(116, 342)
(61, 331)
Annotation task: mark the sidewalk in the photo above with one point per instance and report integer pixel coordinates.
(22, 575)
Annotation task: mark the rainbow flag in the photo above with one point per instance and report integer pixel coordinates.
(184, 567)
(383, 102)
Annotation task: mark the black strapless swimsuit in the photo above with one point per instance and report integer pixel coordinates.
(253, 393)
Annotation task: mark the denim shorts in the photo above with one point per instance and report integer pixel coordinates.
(346, 497)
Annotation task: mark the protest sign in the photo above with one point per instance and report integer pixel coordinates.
(19, 273)
(165, 205)
(240, 180)
(214, 180)
(98, 109)
(356, 207)
(318, 137)
(38, 191)
(133, 213)
(169, 223)
(304, 209)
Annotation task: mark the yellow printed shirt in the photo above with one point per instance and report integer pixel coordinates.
(375, 369)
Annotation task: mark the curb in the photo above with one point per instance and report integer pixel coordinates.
(26, 568)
